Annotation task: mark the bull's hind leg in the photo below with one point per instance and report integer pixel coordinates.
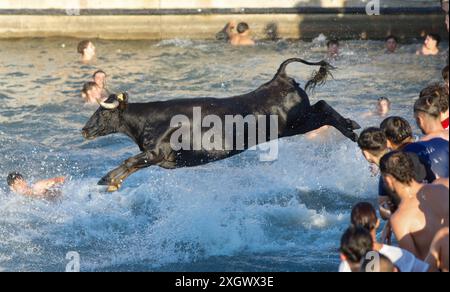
(115, 178)
(323, 114)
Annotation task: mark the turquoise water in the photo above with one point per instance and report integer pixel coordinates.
(235, 215)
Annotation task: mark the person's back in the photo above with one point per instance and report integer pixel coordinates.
(242, 37)
(424, 216)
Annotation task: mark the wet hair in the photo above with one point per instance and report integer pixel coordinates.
(431, 105)
(445, 74)
(396, 129)
(13, 177)
(364, 215)
(88, 86)
(355, 244)
(243, 27)
(438, 90)
(373, 140)
(385, 265)
(332, 42)
(399, 165)
(98, 72)
(435, 37)
(83, 46)
(391, 37)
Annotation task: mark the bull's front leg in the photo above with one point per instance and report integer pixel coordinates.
(115, 178)
(324, 114)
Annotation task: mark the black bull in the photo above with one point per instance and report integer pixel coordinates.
(149, 124)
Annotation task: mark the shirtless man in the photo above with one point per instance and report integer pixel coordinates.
(242, 36)
(44, 189)
(422, 210)
(430, 46)
(438, 256)
(427, 112)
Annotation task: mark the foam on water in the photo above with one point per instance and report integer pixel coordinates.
(233, 215)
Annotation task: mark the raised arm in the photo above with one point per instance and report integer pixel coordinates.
(230, 29)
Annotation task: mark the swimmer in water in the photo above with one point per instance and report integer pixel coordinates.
(239, 34)
(391, 44)
(382, 110)
(100, 77)
(333, 48)
(430, 46)
(92, 93)
(427, 112)
(87, 50)
(45, 189)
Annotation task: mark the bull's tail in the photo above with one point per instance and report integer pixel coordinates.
(318, 78)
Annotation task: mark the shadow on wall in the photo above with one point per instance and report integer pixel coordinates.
(364, 26)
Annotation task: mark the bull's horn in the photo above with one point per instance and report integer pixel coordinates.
(110, 106)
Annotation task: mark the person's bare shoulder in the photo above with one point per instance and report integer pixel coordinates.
(443, 182)
(400, 221)
(440, 189)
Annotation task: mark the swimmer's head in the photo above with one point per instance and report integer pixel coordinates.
(99, 78)
(108, 118)
(398, 131)
(355, 244)
(383, 265)
(383, 106)
(373, 144)
(91, 92)
(427, 110)
(432, 41)
(391, 43)
(86, 48)
(243, 28)
(444, 4)
(364, 215)
(333, 47)
(16, 181)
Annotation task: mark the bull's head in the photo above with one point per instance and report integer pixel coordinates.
(107, 119)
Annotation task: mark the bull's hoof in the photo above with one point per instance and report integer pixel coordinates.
(113, 188)
(354, 137)
(355, 125)
(104, 181)
(352, 125)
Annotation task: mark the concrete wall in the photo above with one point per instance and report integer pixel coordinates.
(165, 19)
(164, 4)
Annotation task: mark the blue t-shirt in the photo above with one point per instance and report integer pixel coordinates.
(433, 162)
(434, 155)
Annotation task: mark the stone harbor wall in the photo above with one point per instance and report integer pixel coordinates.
(202, 19)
